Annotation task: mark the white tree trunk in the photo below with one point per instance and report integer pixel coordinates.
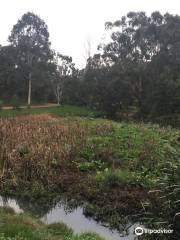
(29, 89)
(58, 91)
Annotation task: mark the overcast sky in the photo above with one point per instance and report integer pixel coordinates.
(72, 22)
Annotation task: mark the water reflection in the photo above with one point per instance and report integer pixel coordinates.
(11, 203)
(74, 219)
(80, 223)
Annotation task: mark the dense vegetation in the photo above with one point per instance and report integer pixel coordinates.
(121, 171)
(135, 76)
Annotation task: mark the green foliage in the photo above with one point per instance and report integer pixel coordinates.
(120, 161)
(30, 40)
(60, 229)
(88, 236)
(15, 103)
(3, 237)
(62, 111)
(137, 147)
(24, 227)
(92, 165)
(166, 98)
(163, 208)
(120, 178)
(1, 105)
(135, 77)
(169, 120)
(6, 210)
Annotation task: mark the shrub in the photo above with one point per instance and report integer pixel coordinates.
(163, 207)
(93, 165)
(15, 103)
(119, 178)
(1, 104)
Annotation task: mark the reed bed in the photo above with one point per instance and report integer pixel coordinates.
(36, 147)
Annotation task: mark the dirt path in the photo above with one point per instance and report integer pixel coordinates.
(33, 106)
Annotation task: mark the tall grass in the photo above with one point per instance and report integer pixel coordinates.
(162, 210)
(34, 147)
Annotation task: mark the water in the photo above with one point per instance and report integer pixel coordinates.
(76, 220)
(11, 203)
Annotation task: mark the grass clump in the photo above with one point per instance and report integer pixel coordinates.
(24, 227)
(120, 178)
(88, 236)
(60, 229)
(163, 206)
(6, 210)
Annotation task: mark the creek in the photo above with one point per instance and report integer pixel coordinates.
(73, 218)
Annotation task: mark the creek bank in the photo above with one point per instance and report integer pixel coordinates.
(74, 218)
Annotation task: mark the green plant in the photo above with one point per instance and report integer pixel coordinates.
(109, 178)
(6, 210)
(15, 103)
(60, 229)
(163, 208)
(1, 104)
(25, 227)
(119, 178)
(93, 165)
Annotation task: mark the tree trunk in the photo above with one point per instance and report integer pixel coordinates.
(29, 90)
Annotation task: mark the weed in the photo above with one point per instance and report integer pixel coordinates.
(24, 227)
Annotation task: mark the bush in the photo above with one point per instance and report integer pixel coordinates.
(1, 104)
(93, 165)
(163, 207)
(117, 178)
(15, 103)
(169, 120)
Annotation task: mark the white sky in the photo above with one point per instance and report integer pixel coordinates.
(72, 22)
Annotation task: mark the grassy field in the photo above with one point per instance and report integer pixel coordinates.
(121, 170)
(63, 111)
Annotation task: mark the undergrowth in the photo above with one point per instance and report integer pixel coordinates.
(110, 166)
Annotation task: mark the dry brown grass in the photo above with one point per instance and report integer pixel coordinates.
(36, 147)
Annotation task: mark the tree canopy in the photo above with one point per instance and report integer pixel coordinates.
(136, 75)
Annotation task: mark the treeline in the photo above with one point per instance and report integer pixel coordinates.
(135, 76)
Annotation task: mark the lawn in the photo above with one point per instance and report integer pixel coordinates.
(63, 111)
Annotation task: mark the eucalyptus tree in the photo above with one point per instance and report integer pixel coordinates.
(30, 37)
(64, 69)
(129, 51)
(143, 52)
(8, 73)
